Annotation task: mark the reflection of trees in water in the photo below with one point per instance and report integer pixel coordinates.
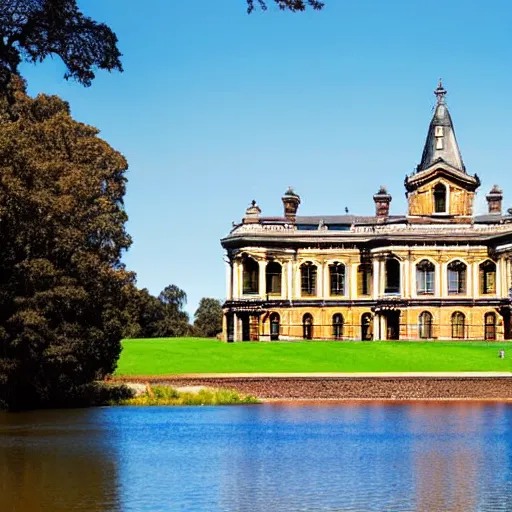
(58, 461)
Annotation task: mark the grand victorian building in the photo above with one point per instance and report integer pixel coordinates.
(438, 272)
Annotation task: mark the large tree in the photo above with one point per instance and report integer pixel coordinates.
(208, 317)
(62, 233)
(31, 30)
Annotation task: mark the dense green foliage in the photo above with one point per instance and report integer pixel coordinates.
(208, 317)
(32, 30)
(164, 395)
(62, 233)
(147, 316)
(192, 355)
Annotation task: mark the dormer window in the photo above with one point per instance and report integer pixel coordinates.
(440, 198)
(439, 131)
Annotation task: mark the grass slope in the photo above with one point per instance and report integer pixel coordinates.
(194, 355)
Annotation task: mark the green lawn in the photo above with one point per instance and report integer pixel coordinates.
(193, 355)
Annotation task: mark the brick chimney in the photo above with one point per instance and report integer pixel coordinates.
(382, 200)
(494, 200)
(291, 202)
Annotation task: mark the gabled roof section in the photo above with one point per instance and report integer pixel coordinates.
(441, 144)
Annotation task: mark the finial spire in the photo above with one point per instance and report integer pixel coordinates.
(440, 92)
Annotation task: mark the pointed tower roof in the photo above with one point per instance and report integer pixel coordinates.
(441, 144)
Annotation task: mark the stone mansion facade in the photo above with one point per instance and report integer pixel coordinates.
(438, 272)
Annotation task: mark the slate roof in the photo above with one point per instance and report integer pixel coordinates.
(441, 145)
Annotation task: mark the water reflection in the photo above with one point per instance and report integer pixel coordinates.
(350, 457)
(58, 461)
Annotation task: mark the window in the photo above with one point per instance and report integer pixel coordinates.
(458, 325)
(487, 271)
(251, 272)
(337, 274)
(490, 326)
(307, 327)
(456, 278)
(440, 198)
(274, 326)
(364, 280)
(308, 279)
(425, 325)
(337, 326)
(273, 278)
(392, 276)
(425, 273)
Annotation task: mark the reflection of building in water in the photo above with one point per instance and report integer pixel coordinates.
(438, 272)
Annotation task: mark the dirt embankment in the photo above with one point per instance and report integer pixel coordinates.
(351, 388)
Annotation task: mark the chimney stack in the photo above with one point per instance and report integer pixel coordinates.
(494, 200)
(291, 202)
(382, 200)
(252, 214)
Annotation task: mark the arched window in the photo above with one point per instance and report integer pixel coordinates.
(273, 274)
(307, 327)
(456, 278)
(337, 326)
(366, 327)
(337, 274)
(487, 271)
(490, 326)
(425, 275)
(425, 325)
(364, 280)
(458, 325)
(392, 276)
(308, 279)
(440, 198)
(274, 326)
(251, 273)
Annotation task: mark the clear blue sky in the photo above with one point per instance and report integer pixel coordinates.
(216, 108)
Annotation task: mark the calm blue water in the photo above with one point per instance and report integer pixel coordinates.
(360, 457)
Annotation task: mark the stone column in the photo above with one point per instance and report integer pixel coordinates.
(229, 280)
(235, 327)
(376, 280)
(236, 280)
(289, 280)
(476, 290)
(405, 279)
(262, 265)
(443, 291)
(376, 327)
(353, 281)
(437, 280)
(470, 281)
(382, 278)
(320, 280)
(326, 292)
(508, 276)
(298, 288)
(382, 333)
(499, 273)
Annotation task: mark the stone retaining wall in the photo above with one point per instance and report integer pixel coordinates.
(354, 388)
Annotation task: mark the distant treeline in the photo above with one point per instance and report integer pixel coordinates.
(148, 316)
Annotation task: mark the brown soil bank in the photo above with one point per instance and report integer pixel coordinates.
(351, 388)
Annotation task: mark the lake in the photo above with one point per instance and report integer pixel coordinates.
(431, 457)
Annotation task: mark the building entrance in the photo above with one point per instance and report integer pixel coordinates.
(392, 325)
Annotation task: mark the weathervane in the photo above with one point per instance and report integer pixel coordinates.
(440, 92)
